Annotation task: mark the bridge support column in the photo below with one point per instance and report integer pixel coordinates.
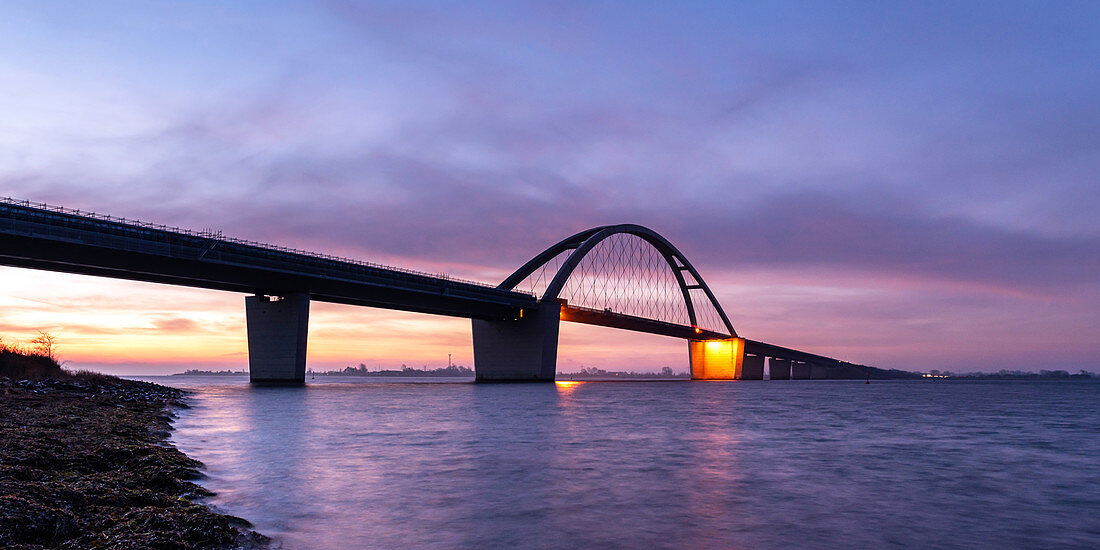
(752, 367)
(277, 328)
(525, 349)
(800, 371)
(819, 371)
(780, 369)
(716, 359)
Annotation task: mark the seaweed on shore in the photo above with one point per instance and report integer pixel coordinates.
(84, 463)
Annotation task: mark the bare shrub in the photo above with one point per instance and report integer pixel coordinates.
(45, 344)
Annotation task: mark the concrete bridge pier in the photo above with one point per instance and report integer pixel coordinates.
(780, 369)
(277, 329)
(819, 371)
(752, 367)
(800, 371)
(525, 349)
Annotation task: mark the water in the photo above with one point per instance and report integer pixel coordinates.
(353, 463)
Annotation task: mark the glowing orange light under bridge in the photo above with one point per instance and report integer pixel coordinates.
(717, 359)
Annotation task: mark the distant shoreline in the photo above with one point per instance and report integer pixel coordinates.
(602, 375)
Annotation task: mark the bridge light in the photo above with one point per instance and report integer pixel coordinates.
(521, 314)
(698, 330)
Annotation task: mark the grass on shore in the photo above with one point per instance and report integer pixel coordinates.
(85, 464)
(18, 363)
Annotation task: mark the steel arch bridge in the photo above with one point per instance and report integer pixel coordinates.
(625, 276)
(634, 284)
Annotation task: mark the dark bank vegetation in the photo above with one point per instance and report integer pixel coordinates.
(601, 374)
(457, 371)
(846, 371)
(85, 463)
(200, 372)
(1005, 374)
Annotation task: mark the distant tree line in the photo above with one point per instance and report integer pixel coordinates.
(462, 372)
(198, 372)
(1005, 374)
(594, 372)
(457, 371)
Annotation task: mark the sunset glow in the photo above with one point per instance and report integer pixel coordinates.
(917, 203)
(391, 274)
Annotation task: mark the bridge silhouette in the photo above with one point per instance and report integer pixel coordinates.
(622, 276)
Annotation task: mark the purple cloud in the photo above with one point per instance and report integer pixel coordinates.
(935, 153)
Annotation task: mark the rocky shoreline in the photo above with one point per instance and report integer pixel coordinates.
(85, 462)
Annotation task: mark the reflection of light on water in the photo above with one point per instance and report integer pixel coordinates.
(567, 386)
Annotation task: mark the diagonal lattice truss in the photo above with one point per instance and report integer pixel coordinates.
(626, 274)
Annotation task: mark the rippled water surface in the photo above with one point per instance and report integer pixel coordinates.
(354, 463)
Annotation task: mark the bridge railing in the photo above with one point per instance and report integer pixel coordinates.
(218, 237)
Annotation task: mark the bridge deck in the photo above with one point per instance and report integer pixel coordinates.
(57, 240)
(754, 347)
(612, 319)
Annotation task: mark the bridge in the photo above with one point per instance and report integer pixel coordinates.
(622, 276)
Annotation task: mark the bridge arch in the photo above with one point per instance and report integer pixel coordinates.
(585, 241)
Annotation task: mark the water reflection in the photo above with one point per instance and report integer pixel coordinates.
(566, 386)
(267, 426)
(654, 464)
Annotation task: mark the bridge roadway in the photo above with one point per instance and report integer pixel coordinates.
(640, 324)
(39, 236)
(88, 244)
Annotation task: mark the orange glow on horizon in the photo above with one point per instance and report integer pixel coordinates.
(130, 328)
(124, 327)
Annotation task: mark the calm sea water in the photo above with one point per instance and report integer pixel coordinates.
(353, 463)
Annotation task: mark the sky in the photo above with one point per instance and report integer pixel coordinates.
(905, 185)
